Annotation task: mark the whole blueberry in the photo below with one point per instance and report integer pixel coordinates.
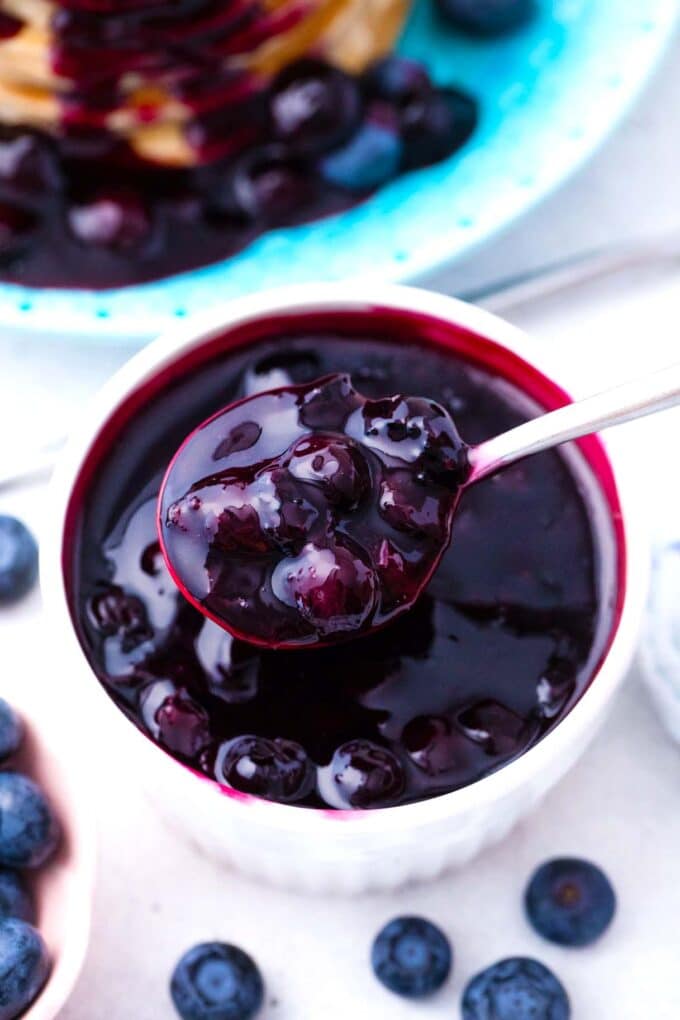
(314, 106)
(487, 17)
(362, 775)
(216, 981)
(516, 989)
(18, 559)
(29, 831)
(24, 966)
(11, 731)
(15, 898)
(16, 230)
(278, 769)
(370, 158)
(269, 185)
(397, 80)
(436, 125)
(117, 219)
(570, 902)
(411, 957)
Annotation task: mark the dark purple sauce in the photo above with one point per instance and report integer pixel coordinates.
(496, 651)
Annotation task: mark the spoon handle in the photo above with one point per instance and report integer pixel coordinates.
(633, 399)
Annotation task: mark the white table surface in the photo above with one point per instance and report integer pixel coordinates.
(619, 806)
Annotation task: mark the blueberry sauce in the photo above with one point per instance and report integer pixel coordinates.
(310, 514)
(84, 204)
(502, 642)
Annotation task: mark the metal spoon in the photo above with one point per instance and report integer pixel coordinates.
(646, 395)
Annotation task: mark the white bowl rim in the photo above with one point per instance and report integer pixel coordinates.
(325, 297)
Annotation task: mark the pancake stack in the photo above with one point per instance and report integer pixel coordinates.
(175, 81)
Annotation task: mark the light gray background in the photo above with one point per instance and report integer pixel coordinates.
(621, 805)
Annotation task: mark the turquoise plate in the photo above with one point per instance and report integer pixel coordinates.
(549, 94)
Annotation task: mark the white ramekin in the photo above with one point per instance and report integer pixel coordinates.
(346, 852)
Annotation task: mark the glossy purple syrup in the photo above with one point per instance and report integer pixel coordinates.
(494, 653)
(80, 208)
(310, 514)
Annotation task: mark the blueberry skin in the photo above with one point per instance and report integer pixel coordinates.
(435, 126)
(11, 731)
(570, 901)
(515, 989)
(411, 957)
(487, 17)
(370, 159)
(15, 898)
(29, 831)
(216, 981)
(24, 966)
(18, 559)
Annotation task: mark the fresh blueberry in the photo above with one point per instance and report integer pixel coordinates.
(15, 898)
(11, 731)
(116, 219)
(29, 831)
(397, 80)
(275, 769)
(516, 989)
(570, 902)
(362, 775)
(270, 186)
(412, 957)
(487, 17)
(18, 556)
(215, 981)
(314, 106)
(24, 966)
(370, 158)
(436, 125)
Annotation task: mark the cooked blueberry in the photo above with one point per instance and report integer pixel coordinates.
(217, 981)
(270, 186)
(334, 463)
(362, 775)
(435, 746)
(183, 725)
(497, 728)
(18, 557)
(15, 897)
(370, 158)
(116, 219)
(24, 966)
(29, 169)
(487, 17)
(11, 731)
(29, 831)
(16, 227)
(570, 902)
(397, 80)
(516, 989)
(408, 506)
(274, 769)
(436, 125)
(115, 612)
(314, 106)
(555, 687)
(411, 957)
(333, 588)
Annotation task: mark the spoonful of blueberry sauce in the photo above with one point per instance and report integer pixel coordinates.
(309, 514)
